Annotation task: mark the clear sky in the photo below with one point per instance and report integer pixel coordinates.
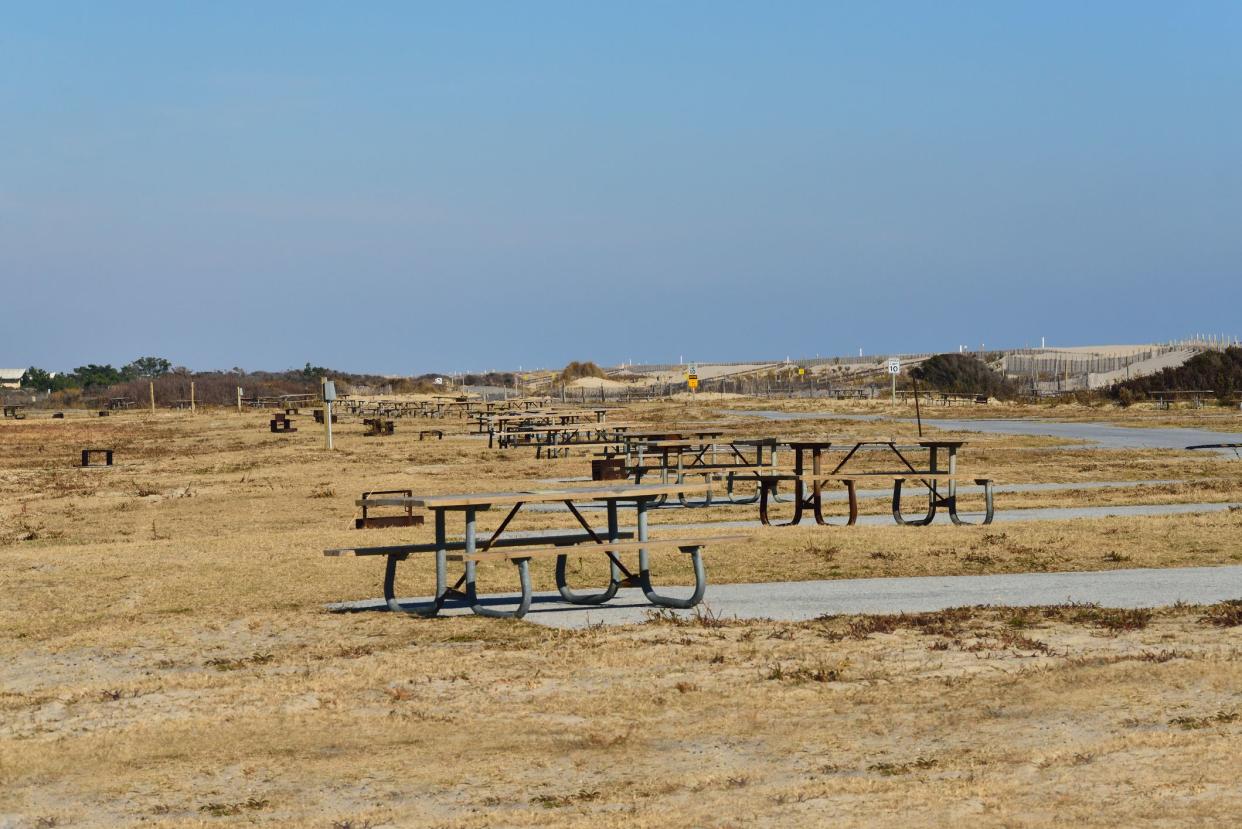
(405, 187)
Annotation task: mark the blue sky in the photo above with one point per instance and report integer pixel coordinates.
(406, 187)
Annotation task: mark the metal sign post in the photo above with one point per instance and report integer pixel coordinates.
(329, 394)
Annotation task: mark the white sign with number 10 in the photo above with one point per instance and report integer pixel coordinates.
(894, 366)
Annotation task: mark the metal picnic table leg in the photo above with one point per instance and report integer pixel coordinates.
(776, 496)
(931, 506)
(767, 491)
(681, 479)
(614, 582)
(644, 569)
(989, 508)
(472, 596)
(852, 495)
(390, 578)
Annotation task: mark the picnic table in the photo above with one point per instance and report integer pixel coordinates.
(14, 411)
(552, 440)
(470, 552)
(489, 423)
(808, 483)
(1164, 399)
(677, 459)
(635, 440)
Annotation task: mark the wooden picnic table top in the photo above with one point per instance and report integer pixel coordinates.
(563, 427)
(537, 413)
(681, 433)
(691, 443)
(624, 492)
(870, 441)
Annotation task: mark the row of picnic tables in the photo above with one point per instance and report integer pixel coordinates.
(679, 459)
(697, 451)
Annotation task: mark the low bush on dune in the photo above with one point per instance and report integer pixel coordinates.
(577, 370)
(1216, 371)
(962, 374)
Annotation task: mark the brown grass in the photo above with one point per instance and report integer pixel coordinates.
(166, 659)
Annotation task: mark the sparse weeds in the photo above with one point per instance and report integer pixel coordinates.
(943, 623)
(703, 616)
(226, 664)
(893, 769)
(556, 801)
(251, 804)
(798, 674)
(1224, 614)
(605, 739)
(1115, 620)
(1195, 723)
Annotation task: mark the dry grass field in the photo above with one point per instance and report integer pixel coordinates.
(166, 658)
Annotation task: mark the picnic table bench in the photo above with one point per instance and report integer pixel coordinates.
(556, 440)
(519, 551)
(405, 519)
(438, 434)
(14, 411)
(87, 453)
(281, 423)
(377, 426)
(682, 458)
(490, 423)
(1164, 399)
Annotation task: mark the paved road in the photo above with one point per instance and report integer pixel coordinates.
(1103, 435)
(1002, 515)
(809, 599)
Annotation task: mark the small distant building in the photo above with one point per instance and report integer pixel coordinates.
(11, 378)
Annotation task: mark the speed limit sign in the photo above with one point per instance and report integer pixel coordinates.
(894, 366)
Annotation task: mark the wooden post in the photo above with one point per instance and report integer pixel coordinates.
(192, 410)
(151, 386)
(239, 391)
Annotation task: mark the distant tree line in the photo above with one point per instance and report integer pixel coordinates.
(172, 383)
(93, 376)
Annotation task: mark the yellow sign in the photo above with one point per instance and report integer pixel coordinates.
(693, 383)
(801, 370)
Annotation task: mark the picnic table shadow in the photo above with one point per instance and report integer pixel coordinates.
(540, 603)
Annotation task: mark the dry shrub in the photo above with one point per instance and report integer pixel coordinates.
(1226, 614)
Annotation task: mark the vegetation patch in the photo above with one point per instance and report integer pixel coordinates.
(963, 374)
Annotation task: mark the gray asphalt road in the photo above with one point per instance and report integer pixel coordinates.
(1104, 435)
(809, 599)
